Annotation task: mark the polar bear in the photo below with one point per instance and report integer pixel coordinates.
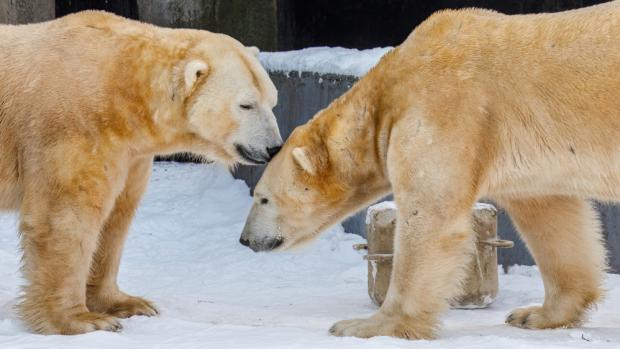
(85, 103)
(523, 110)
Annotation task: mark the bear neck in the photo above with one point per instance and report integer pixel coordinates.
(153, 107)
(355, 131)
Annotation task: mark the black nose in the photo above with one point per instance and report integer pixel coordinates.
(244, 242)
(266, 244)
(272, 151)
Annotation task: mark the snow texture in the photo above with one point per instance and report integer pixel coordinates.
(183, 253)
(485, 303)
(391, 205)
(325, 60)
(381, 206)
(485, 206)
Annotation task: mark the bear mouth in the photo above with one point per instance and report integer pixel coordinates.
(251, 155)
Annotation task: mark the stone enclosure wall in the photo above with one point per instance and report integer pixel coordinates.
(26, 11)
(278, 25)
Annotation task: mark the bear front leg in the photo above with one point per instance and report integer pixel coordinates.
(427, 270)
(435, 193)
(564, 236)
(60, 223)
(103, 294)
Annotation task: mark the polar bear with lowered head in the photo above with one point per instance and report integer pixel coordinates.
(523, 110)
(85, 103)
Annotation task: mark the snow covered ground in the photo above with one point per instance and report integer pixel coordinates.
(183, 253)
(326, 60)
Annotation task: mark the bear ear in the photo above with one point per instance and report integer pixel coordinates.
(300, 155)
(194, 70)
(254, 50)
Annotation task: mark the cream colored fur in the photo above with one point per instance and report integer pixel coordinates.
(524, 110)
(85, 103)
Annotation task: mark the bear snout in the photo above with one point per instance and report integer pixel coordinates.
(251, 155)
(266, 244)
(262, 244)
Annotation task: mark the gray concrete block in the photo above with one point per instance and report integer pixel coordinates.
(254, 23)
(26, 11)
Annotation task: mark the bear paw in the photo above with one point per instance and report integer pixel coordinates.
(73, 324)
(123, 306)
(381, 325)
(538, 318)
(89, 321)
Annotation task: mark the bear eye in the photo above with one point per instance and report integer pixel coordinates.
(264, 201)
(247, 106)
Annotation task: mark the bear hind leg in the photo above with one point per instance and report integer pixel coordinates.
(564, 237)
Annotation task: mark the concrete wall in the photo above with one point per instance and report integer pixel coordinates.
(300, 96)
(253, 22)
(277, 25)
(126, 8)
(26, 11)
(373, 23)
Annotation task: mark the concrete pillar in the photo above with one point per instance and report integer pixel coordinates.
(480, 285)
(26, 11)
(254, 23)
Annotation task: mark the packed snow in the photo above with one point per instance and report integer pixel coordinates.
(381, 206)
(391, 205)
(325, 60)
(183, 253)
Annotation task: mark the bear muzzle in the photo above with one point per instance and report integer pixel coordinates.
(260, 243)
(257, 157)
